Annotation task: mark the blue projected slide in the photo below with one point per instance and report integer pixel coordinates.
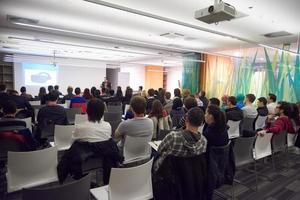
(39, 74)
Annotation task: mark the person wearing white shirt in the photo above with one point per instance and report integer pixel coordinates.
(95, 129)
(249, 110)
(271, 104)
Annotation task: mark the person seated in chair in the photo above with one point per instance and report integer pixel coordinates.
(95, 129)
(282, 123)
(78, 101)
(184, 143)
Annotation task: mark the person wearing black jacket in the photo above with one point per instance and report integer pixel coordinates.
(262, 109)
(233, 113)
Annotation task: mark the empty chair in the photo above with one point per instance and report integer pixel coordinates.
(248, 124)
(76, 190)
(111, 108)
(79, 118)
(262, 146)
(29, 169)
(28, 123)
(63, 136)
(260, 122)
(35, 103)
(279, 144)
(234, 129)
(71, 114)
(136, 148)
(127, 184)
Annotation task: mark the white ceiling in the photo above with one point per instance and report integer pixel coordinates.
(79, 29)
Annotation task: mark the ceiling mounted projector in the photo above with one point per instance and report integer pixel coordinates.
(218, 12)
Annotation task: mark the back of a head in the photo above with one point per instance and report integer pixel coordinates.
(50, 88)
(214, 101)
(77, 91)
(263, 100)
(286, 107)
(272, 97)
(23, 89)
(111, 92)
(190, 102)
(202, 93)
(95, 110)
(12, 92)
(295, 113)
(219, 117)
(93, 89)
(2, 88)
(138, 104)
(140, 88)
(42, 91)
(9, 108)
(168, 95)
(151, 92)
(240, 98)
(186, 93)
(157, 109)
(128, 93)
(232, 100)
(53, 95)
(177, 92)
(195, 117)
(177, 103)
(251, 97)
(56, 87)
(70, 90)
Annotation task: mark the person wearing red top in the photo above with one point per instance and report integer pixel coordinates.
(282, 123)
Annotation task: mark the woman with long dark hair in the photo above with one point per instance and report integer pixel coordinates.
(216, 130)
(86, 94)
(119, 93)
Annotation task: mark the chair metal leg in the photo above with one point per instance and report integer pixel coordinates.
(256, 178)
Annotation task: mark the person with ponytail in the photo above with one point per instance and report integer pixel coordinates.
(216, 129)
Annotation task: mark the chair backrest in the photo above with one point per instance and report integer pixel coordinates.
(68, 103)
(71, 114)
(9, 144)
(79, 118)
(131, 183)
(112, 116)
(243, 150)
(29, 169)
(262, 146)
(260, 122)
(28, 123)
(291, 139)
(279, 142)
(47, 130)
(127, 106)
(136, 148)
(248, 124)
(12, 124)
(76, 190)
(234, 129)
(63, 136)
(117, 109)
(35, 103)
(114, 125)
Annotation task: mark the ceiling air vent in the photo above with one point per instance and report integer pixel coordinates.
(172, 35)
(277, 34)
(23, 20)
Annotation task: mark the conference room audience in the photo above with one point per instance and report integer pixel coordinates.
(262, 109)
(78, 101)
(24, 94)
(86, 94)
(249, 110)
(282, 123)
(214, 101)
(128, 96)
(168, 102)
(69, 94)
(183, 143)
(224, 100)
(119, 93)
(56, 88)
(21, 103)
(177, 112)
(42, 96)
(150, 100)
(161, 120)
(185, 93)
(233, 112)
(95, 129)
(189, 102)
(203, 99)
(52, 113)
(216, 130)
(199, 102)
(139, 126)
(271, 104)
(50, 88)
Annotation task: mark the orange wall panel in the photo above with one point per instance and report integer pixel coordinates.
(153, 77)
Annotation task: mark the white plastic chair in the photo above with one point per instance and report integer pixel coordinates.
(234, 129)
(80, 118)
(127, 184)
(127, 106)
(63, 136)
(260, 122)
(262, 146)
(28, 123)
(68, 103)
(136, 148)
(29, 169)
(35, 103)
(291, 139)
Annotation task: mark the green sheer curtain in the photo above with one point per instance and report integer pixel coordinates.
(190, 72)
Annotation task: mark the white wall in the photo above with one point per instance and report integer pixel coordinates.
(173, 75)
(83, 75)
(136, 75)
